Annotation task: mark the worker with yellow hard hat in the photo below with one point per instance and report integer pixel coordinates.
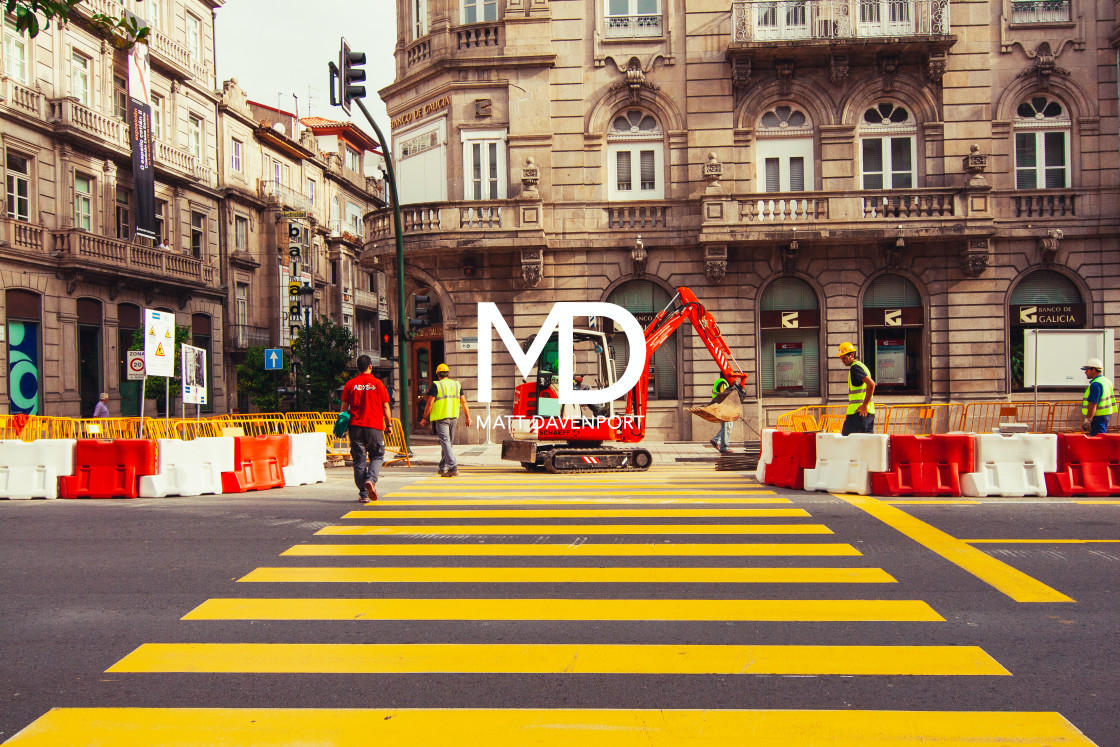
(1098, 403)
(861, 388)
(445, 401)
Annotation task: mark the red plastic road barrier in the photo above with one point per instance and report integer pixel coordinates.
(259, 461)
(793, 454)
(926, 465)
(1087, 465)
(108, 468)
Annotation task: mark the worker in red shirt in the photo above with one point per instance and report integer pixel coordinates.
(367, 399)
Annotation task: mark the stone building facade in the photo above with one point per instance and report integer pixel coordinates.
(912, 176)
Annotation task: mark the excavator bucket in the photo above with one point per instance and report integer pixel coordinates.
(725, 408)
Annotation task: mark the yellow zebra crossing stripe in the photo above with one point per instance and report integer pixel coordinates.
(562, 575)
(785, 610)
(574, 529)
(580, 513)
(392, 501)
(425, 658)
(583, 550)
(488, 727)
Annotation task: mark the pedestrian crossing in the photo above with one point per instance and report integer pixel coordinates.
(560, 557)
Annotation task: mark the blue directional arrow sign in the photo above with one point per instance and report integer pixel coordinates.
(273, 359)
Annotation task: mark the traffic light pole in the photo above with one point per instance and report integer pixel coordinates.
(402, 320)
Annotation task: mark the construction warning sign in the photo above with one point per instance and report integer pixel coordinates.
(159, 359)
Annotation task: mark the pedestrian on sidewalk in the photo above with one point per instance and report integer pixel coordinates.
(722, 441)
(445, 400)
(101, 409)
(861, 389)
(1098, 403)
(367, 400)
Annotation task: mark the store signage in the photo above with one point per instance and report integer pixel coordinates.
(420, 112)
(288, 214)
(790, 319)
(434, 332)
(1049, 315)
(909, 317)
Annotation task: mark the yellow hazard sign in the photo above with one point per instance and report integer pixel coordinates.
(167, 333)
(159, 350)
(152, 331)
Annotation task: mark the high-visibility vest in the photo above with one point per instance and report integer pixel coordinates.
(857, 393)
(1107, 404)
(719, 386)
(446, 405)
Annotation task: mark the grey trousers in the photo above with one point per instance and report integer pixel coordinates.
(367, 450)
(445, 429)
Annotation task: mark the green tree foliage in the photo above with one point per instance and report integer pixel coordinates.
(324, 349)
(258, 384)
(33, 16)
(155, 388)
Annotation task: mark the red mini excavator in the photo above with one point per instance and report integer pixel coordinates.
(574, 438)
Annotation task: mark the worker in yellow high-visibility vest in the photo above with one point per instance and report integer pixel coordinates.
(861, 388)
(1098, 403)
(445, 401)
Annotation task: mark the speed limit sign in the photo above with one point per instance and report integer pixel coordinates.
(135, 365)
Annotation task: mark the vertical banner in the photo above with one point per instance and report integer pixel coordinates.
(789, 365)
(159, 343)
(23, 368)
(285, 305)
(193, 364)
(140, 137)
(890, 361)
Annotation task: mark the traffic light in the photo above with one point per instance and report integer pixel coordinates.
(349, 75)
(386, 338)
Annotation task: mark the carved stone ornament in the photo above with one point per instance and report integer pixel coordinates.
(936, 65)
(184, 299)
(635, 81)
(530, 178)
(784, 69)
(741, 73)
(149, 295)
(532, 266)
(974, 259)
(838, 70)
(639, 255)
(72, 280)
(1048, 249)
(888, 68)
(893, 253)
(789, 256)
(715, 262)
(234, 97)
(115, 290)
(974, 164)
(712, 171)
(1045, 65)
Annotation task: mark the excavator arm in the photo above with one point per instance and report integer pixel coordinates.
(658, 331)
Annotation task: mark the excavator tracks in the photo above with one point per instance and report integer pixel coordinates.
(570, 460)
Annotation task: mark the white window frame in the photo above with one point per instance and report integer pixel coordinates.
(81, 76)
(235, 154)
(1039, 134)
(123, 213)
(83, 202)
(635, 144)
(781, 20)
(241, 309)
(15, 52)
(419, 19)
(195, 135)
(885, 136)
(193, 29)
(311, 189)
(160, 221)
(157, 116)
(15, 199)
(240, 233)
(491, 163)
(469, 11)
(353, 159)
(629, 19)
(154, 14)
(785, 144)
(120, 97)
(199, 228)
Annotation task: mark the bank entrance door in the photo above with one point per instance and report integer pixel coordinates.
(425, 356)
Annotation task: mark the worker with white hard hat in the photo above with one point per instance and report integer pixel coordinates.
(861, 388)
(1098, 404)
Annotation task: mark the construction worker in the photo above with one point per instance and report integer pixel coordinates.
(722, 441)
(1098, 403)
(861, 388)
(445, 400)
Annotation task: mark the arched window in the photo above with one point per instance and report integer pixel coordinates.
(644, 300)
(24, 312)
(635, 157)
(887, 147)
(790, 342)
(1042, 300)
(893, 327)
(1042, 157)
(784, 150)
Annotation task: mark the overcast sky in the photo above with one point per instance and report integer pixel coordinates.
(277, 47)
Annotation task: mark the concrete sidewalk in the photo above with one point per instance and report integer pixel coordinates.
(426, 453)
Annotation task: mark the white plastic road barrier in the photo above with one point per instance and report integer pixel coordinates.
(307, 457)
(845, 463)
(1011, 465)
(766, 455)
(31, 469)
(188, 467)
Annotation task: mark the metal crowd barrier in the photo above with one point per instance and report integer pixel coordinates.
(926, 419)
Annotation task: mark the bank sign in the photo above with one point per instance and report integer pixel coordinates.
(1049, 315)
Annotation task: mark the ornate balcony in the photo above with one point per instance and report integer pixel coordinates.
(243, 336)
(485, 36)
(85, 124)
(19, 99)
(365, 299)
(275, 191)
(1040, 11)
(509, 223)
(22, 237)
(634, 26)
(84, 252)
(169, 54)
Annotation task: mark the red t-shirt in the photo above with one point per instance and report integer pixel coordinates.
(366, 395)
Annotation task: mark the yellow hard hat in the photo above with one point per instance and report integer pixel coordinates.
(442, 368)
(844, 349)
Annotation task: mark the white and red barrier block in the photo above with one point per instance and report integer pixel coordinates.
(1011, 465)
(188, 467)
(307, 458)
(31, 469)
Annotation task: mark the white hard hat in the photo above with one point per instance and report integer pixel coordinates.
(1093, 363)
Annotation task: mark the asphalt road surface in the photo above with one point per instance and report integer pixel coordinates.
(677, 606)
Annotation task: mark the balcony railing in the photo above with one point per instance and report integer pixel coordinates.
(81, 247)
(67, 112)
(345, 229)
(782, 20)
(479, 35)
(418, 51)
(365, 299)
(630, 27)
(21, 235)
(21, 98)
(1040, 11)
(850, 207)
(284, 194)
(1044, 205)
(244, 336)
(170, 50)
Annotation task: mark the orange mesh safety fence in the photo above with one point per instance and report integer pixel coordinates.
(983, 417)
(918, 420)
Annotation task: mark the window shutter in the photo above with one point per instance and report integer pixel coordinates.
(648, 177)
(902, 167)
(788, 294)
(873, 163)
(797, 174)
(1045, 287)
(891, 292)
(623, 177)
(1025, 161)
(773, 178)
(1055, 147)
